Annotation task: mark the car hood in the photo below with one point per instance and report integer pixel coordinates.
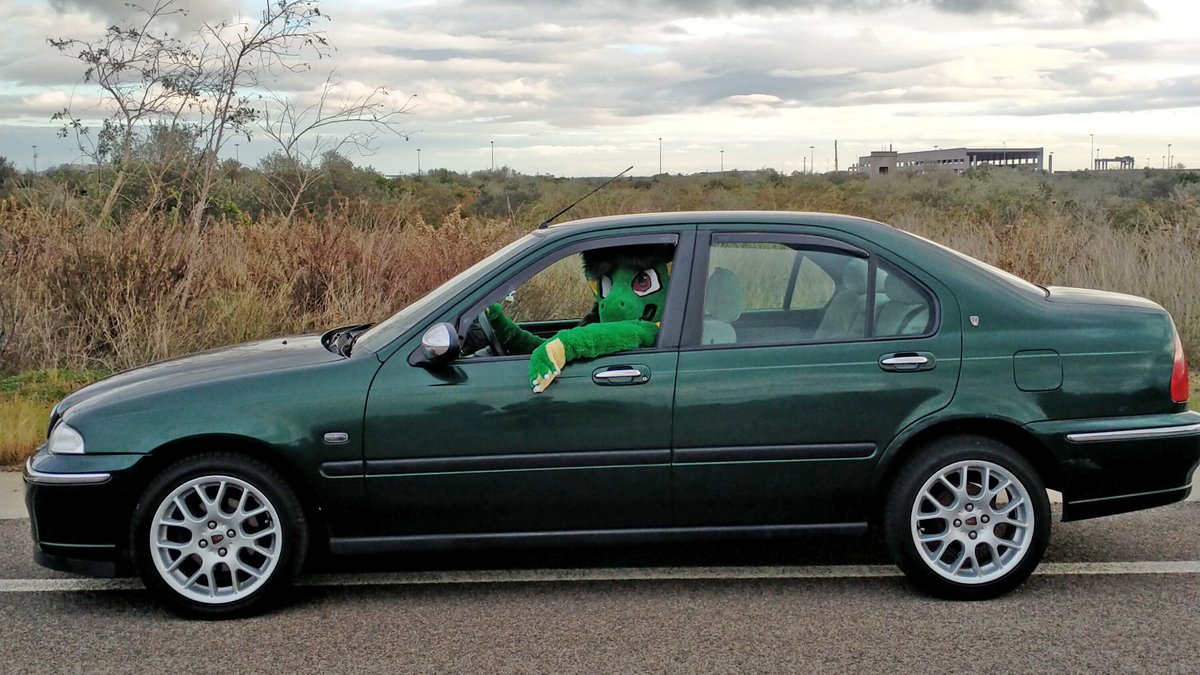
(1087, 296)
(209, 366)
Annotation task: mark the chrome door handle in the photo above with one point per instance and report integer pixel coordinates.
(615, 374)
(905, 361)
(621, 375)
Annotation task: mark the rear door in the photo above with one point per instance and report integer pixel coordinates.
(782, 421)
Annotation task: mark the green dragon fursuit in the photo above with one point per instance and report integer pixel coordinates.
(630, 286)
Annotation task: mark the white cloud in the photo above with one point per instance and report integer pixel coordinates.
(574, 86)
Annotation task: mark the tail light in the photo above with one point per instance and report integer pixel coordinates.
(1179, 374)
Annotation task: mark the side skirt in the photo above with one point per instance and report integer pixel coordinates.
(451, 542)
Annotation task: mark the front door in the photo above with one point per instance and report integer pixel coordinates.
(468, 448)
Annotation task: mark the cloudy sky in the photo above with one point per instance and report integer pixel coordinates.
(588, 87)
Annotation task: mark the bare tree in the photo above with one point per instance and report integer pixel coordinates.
(298, 131)
(143, 77)
(199, 84)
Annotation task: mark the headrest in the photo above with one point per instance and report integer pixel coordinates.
(854, 276)
(723, 298)
(902, 291)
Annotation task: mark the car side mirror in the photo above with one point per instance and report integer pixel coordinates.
(440, 344)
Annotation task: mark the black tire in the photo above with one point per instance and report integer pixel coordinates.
(976, 547)
(237, 547)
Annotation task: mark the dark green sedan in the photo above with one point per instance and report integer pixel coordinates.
(641, 378)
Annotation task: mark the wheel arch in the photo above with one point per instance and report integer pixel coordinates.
(251, 448)
(1011, 434)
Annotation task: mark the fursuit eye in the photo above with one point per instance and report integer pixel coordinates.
(605, 286)
(646, 282)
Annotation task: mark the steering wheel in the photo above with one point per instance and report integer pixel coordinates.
(493, 342)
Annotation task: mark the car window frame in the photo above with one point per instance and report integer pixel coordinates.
(682, 238)
(691, 339)
(935, 305)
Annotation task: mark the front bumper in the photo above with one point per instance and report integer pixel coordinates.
(1122, 464)
(79, 508)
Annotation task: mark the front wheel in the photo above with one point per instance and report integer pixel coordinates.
(218, 535)
(967, 519)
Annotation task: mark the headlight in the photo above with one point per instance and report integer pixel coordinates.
(64, 440)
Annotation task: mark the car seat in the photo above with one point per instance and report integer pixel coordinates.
(723, 304)
(846, 314)
(906, 311)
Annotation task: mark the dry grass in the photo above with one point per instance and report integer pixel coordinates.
(1194, 401)
(22, 428)
(80, 295)
(25, 404)
(84, 296)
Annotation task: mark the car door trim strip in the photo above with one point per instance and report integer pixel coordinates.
(517, 462)
(774, 453)
(441, 542)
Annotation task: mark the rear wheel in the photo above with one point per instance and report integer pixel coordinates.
(967, 518)
(218, 535)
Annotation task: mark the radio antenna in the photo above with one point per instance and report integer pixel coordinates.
(554, 217)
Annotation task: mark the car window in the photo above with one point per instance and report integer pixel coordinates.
(558, 292)
(814, 285)
(762, 271)
(902, 307)
(771, 293)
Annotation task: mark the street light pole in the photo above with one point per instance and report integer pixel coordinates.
(812, 159)
(1170, 163)
(237, 153)
(722, 161)
(418, 161)
(493, 154)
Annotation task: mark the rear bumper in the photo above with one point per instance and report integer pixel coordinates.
(1116, 465)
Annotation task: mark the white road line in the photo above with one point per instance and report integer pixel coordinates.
(613, 574)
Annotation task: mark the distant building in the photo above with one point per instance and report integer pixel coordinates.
(951, 159)
(1107, 163)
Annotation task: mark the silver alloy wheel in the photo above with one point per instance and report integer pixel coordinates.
(972, 522)
(215, 539)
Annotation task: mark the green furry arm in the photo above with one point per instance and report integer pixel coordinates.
(516, 340)
(586, 342)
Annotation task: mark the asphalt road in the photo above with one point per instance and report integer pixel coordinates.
(1120, 594)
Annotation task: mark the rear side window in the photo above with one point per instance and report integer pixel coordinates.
(902, 307)
(780, 292)
(767, 293)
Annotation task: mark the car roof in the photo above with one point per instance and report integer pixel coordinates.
(836, 221)
(918, 250)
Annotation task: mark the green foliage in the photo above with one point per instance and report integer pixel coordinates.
(8, 175)
(48, 386)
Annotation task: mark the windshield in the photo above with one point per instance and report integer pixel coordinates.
(391, 328)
